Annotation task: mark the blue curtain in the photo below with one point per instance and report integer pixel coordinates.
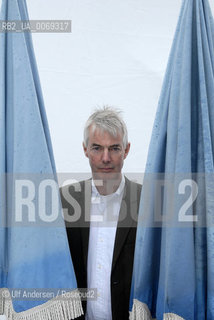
(34, 252)
(173, 272)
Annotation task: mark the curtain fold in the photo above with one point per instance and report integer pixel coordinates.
(35, 262)
(174, 261)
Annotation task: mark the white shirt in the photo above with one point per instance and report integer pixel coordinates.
(100, 250)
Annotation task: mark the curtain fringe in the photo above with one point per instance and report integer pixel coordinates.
(172, 316)
(140, 311)
(58, 308)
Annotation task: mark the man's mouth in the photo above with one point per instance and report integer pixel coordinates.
(106, 169)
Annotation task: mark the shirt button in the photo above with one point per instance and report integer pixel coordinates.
(115, 283)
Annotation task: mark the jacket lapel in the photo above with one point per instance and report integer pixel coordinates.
(125, 221)
(85, 223)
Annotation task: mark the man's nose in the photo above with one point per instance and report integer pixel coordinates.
(106, 155)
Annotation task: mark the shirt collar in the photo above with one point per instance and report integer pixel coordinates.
(118, 192)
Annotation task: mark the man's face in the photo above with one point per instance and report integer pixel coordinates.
(106, 154)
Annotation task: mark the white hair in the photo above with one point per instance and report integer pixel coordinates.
(106, 119)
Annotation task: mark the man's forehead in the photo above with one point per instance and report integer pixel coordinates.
(98, 136)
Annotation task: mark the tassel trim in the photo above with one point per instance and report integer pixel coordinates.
(57, 308)
(172, 316)
(140, 311)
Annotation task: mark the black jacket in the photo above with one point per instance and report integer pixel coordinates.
(78, 238)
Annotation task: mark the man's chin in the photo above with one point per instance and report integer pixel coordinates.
(107, 176)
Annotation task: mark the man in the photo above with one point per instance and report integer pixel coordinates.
(101, 216)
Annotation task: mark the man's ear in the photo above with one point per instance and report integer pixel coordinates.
(85, 149)
(127, 150)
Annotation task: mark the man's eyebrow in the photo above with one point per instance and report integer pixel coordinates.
(95, 145)
(111, 146)
(115, 145)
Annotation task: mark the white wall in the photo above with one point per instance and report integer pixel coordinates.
(116, 55)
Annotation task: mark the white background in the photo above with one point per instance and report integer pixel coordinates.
(116, 55)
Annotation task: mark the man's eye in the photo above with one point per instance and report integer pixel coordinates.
(95, 148)
(115, 149)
